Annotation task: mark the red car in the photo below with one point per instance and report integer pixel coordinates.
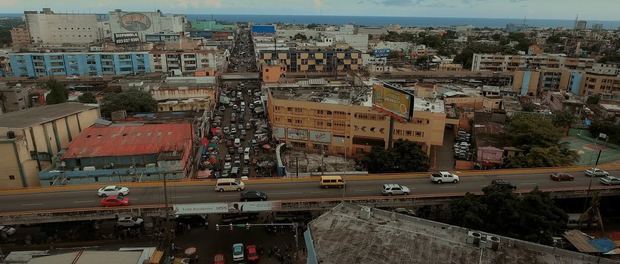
(252, 254)
(219, 259)
(559, 176)
(115, 200)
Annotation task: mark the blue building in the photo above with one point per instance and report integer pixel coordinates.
(79, 63)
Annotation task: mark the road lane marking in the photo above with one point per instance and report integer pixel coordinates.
(285, 193)
(228, 195)
(447, 187)
(529, 183)
(82, 201)
(32, 204)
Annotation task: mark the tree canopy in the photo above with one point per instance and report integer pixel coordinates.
(533, 216)
(87, 98)
(539, 138)
(608, 127)
(404, 156)
(58, 93)
(132, 101)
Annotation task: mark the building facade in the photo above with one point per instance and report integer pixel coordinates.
(20, 36)
(314, 60)
(14, 98)
(145, 23)
(345, 127)
(30, 139)
(498, 62)
(79, 63)
(47, 27)
(187, 61)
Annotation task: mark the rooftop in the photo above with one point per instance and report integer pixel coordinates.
(130, 140)
(38, 115)
(339, 92)
(355, 234)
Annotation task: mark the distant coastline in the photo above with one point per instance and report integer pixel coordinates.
(403, 21)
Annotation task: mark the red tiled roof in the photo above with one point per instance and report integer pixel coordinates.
(130, 140)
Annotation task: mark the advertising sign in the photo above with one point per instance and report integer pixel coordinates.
(239, 207)
(391, 98)
(135, 22)
(320, 136)
(200, 208)
(297, 134)
(381, 53)
(279, 132)
(126, 38)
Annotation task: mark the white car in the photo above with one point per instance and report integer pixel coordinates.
(395, 189)
(112, 190)
(596, 172)
(444, 176)
(237, 250)
(128, 221)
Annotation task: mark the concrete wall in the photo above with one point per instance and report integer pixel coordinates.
(63, 28)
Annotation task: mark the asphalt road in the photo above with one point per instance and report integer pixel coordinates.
(202, 193)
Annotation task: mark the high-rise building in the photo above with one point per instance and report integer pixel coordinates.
(323, 60)
(581, 25)
(499, 62)
(47, 27)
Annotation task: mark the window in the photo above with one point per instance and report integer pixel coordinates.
(12, 177)
(419, 134)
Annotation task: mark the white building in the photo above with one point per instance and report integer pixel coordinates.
(187, 61)
(145, 22)
(47, 27)
(395, 46)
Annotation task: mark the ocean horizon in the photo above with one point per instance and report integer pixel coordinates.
(403, 21)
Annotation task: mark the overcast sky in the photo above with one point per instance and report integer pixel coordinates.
(552, 9)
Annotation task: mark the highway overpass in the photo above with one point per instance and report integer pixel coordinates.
(81, 202)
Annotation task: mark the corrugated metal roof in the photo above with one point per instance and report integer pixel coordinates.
(130, 140)
(38, 115)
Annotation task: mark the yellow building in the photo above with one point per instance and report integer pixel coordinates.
(313, 59)
(499, 62)
(337, 118)
(603, 80)
(184, 96)
(30, 139)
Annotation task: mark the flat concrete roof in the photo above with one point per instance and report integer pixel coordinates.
(91, 257)
(38, 115)
(345, 235)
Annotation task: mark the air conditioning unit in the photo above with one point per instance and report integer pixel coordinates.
(494, 242)
(365, 213)
(473, 237)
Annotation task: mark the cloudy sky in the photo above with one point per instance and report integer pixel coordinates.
(553, 9)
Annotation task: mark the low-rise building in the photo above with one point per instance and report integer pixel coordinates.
(185, 95)
(602, 80)
(79, 63)
(14, 97)
(498, 62)
(30, 139)
(351, 233)
(338, 118)
(124, 152)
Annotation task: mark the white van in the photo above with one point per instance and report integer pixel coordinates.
(229, 185)
(237, 142)
(246, 151)
(246, 158)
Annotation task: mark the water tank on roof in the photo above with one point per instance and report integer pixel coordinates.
(10, 134)
(473, 237)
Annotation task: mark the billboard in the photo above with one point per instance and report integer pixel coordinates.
(321, 136)
(279, 132)
(297, 134)
(126, 38)
(381, 53)
(200, 208)
(392, 99)
(135, 22)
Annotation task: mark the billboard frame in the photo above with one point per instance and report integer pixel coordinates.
(389, 112)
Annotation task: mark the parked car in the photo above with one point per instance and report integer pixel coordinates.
(560, 176)
(253, 196)
(395, 189)
(503, 184)
(237, 250)
(112, 201)
(227, 166)
(245, 171)
(610, 180)
(6, 231)
(112, 190)
(444, 176)
(252, 253)
(596, 172)
(128, 221)
(219, 259)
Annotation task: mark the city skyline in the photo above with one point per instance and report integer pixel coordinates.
(552, 9)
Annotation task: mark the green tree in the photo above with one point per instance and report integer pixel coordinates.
(404, 156)
(58, 93)
(533, 216)
(593, 99)
(87, 98)
(564, 119)
(609, 58)
(131, 101)
(607, 127)
(528, 107)
(526, 131)
(300, 36)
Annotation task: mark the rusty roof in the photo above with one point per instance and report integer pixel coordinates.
(129, 140)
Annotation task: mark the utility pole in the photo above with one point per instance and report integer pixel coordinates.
(167, 230)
